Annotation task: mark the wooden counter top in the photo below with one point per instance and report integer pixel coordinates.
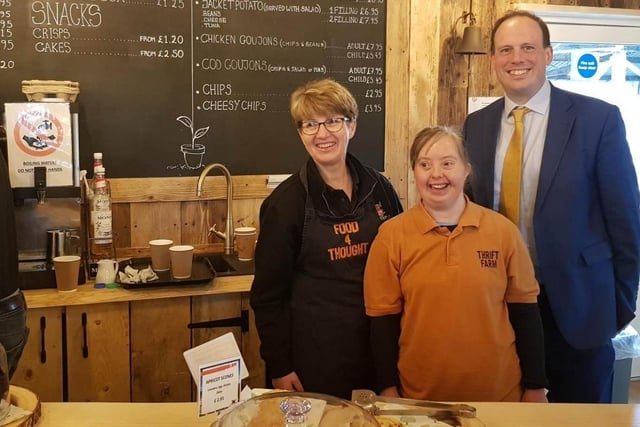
(185, 414)
(87, 294)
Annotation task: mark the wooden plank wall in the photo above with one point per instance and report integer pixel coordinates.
(427, 84)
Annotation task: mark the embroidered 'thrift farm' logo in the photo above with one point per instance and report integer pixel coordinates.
(488, 259)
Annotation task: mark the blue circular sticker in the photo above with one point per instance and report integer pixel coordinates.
(587, 65)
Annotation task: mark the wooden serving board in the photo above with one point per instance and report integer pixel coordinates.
(28, 400)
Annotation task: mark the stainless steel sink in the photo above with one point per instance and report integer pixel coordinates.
(229, 265)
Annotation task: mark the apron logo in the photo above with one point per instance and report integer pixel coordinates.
(488, 259)
(350, 250)
(381, 213)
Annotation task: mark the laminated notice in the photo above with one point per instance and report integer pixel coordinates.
(39, 134)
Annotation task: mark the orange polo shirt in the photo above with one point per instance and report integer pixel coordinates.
(452, 288)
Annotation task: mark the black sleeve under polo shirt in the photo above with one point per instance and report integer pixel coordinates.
(8, 245)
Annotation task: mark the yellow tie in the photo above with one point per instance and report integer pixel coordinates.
(512, 170)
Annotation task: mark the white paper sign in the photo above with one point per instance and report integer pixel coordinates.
(476, 103)
(219, 385)
(221, 348)
(39, 134)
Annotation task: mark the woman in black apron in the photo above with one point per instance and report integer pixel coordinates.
(315, 232)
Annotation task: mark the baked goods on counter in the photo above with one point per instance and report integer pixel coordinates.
(317, 410)
(271, 409)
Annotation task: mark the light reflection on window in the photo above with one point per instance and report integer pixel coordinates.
(610, 72)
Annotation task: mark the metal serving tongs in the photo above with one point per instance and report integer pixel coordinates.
(367, 399)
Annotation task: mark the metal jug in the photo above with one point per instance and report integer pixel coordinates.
(55, 245)
(62, 242)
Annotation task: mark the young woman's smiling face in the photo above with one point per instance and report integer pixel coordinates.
(440, 174)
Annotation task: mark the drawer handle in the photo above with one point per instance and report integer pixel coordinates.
(242, 321)
(85, 346)
(43, 351)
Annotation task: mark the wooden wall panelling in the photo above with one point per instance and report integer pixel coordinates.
(246, 212)
(195, 220)
(452, 72)
(559, 2)
(154, 221)
(424, 57)
(199, 217)
(593, 3)
(397, 96)
(159, 336)
(629, 4)
(178, 189)
(481, 80)
(121, 223)
(507, 4)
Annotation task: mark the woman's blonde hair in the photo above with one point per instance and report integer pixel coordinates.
(322, 96)
(428, 136)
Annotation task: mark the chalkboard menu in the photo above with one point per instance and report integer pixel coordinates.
(167, 86)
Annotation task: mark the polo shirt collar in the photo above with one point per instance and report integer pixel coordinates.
(470, 217)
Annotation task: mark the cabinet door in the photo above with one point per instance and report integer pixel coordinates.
(98, 352)
(211, 312)
(159, 336)
(219, 314)
(40, 367)
(251, 350)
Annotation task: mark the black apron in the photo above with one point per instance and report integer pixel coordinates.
(330, 330)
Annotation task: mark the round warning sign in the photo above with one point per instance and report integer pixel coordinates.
(587, 65)
(37, 132)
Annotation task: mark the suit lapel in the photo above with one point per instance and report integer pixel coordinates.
(489, 142)
(561, 120)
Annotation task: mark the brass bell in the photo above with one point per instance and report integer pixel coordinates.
(471, 43)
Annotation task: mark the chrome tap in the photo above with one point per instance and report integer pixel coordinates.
(228, 234)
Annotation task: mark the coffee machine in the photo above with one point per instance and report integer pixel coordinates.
(44, 231)
(49, 220)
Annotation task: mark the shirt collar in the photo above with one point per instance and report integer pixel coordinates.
(470, 216)
(538, 103)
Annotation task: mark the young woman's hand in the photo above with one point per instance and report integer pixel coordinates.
(535, 395)
(289, 382)
(390, 392)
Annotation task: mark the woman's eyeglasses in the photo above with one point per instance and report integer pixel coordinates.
(333, 125)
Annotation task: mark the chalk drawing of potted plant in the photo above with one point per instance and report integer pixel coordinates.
(193, 153)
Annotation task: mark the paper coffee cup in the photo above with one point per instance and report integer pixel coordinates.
(160, 259)
(67, 269)
(181, 261)
(245, 242)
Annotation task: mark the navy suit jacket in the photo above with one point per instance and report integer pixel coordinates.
(586, 217)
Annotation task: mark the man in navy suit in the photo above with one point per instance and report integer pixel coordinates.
(579, 206)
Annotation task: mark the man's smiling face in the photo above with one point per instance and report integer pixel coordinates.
(519, 58)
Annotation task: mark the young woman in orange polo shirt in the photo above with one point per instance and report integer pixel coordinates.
(451, 291)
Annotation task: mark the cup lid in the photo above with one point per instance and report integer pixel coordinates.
(160, 242)
(66, 258)
(245, 230)
(180, 248)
